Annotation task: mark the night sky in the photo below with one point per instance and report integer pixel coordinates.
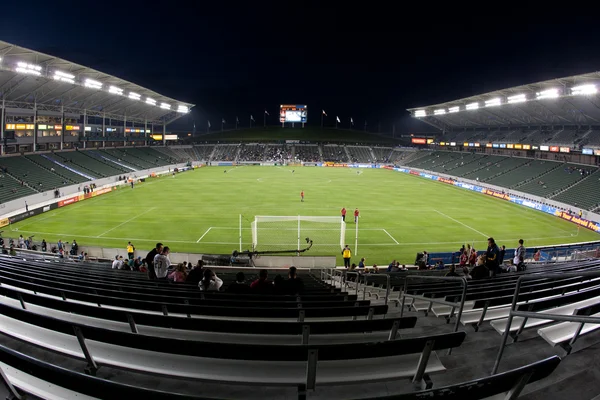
(353, 60)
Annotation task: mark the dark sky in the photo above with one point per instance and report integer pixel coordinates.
(362, 59)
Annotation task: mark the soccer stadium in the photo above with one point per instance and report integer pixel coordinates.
(288, 261)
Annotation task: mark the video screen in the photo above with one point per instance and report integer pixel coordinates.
(292, 113)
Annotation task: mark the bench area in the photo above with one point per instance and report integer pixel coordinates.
(118, 323)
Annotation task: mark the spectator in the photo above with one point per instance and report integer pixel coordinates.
(464, 258)
(374, 269)
(210, 282)
(472, 257)
(137, 263)
(74, 248)
(118, 262)
(195, 275)
(501, 255)
(150, 260)
(480, 271)
(361, 263)
(391, 266)
(262, 285)
(12, 251)
(452, 271)
(239, 286)
(491, 257)
(162, 263)
(466, 273)
(537, 256)
(403, 268)
(44, 245)
(179, 274)
(294, 285)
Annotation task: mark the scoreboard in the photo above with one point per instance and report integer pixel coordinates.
(292, 113)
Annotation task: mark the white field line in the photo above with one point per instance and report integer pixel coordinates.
(208, 230)
(233, 169)
(237, 243)
(461, 223)
(391, 236)
(123, 223)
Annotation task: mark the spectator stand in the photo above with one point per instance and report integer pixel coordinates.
(578, 316)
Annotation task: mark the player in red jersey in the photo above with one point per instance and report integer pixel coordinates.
(302, 196)
(344, 214)
(356, 215)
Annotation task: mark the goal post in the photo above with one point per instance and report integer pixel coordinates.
(277, 233)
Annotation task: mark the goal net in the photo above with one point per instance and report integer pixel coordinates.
(277, 233)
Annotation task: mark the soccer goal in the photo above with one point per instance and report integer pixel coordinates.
(276, 233)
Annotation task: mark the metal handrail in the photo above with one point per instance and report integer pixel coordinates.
(514, 313)
(461, 306)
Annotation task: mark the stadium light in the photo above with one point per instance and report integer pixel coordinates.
(493, 102)
(134, 96)
(115, 90)
(183, 109)
(420, 113)
(441, 111)
(31, 69)
(454, 109)
(165, 106)
(93, 84)
(547, 94)
(584, 89)
(517, 98)
(472, 106)
(64, 77)
(150, 101)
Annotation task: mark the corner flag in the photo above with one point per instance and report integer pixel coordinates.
(338, 120)
(251, 117)
(324, 113)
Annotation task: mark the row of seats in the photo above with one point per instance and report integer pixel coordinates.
(120, 320)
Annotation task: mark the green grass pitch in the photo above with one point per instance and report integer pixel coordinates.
(198, 211)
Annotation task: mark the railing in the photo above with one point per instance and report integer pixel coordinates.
(528, 314)
(431, 300)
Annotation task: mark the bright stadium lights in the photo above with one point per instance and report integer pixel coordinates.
(64, 77)
(150, 101)
(134, 96)
(115, 90)
(454, 109)
(547, 94)
(420, 113)
(493, 102)
(183, 109)
(441, 111)
(584, 89)
(31, 69)
(93, 84)
(165, 106)
(472, 106)
(517, 98)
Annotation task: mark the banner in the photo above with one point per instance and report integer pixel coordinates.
(68, 201)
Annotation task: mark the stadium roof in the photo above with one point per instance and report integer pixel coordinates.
(574, 100)
(28, 77)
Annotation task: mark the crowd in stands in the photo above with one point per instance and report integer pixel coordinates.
(278, 154)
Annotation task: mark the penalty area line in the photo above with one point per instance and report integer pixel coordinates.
(391, 237)
(208, 230)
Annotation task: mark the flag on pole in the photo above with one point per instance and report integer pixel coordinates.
(223, 121)
(237, 120)
(209, 124)
(351, 121)
(338, 119)
(251, 117)
(266, 112)
(324, 113)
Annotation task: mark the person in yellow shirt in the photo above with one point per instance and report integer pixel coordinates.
(346, 254)
(130, 250)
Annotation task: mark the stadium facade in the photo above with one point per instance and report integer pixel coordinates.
(52, 104)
